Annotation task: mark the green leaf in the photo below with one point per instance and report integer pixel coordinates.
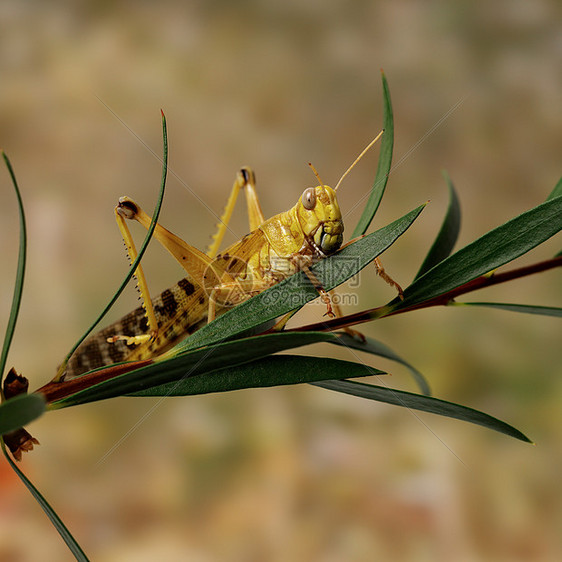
(70, 541)
(169, 368)
(422, 403)
(495, 248)
(448, 234)
(142, 250)
(525, 308)
(380, 349)
(383, 169)
(295, 291)
(20, 272)
(557, 191)
(270, 371)
(19, 411)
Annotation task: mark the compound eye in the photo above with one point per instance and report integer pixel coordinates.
(309, 198)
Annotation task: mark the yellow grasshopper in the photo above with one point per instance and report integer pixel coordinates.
(274, 249)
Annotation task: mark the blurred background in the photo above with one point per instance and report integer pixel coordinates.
(297, 473)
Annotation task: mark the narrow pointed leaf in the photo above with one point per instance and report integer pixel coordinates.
(448, 234)
(557, 191)
(143, 247)
(67, 537)
(383, 169)
(22, 409)
(525, 308)
(20, 272)
(19, 411)
(190, 364)
(270, 371)
(422, 403)
(490, 251)
(380, 349)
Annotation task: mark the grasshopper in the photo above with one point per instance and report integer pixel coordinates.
(274, 249)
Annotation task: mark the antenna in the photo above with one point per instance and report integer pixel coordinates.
(315, 173)
(358, 158)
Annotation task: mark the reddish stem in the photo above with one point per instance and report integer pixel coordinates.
(474, 285)
(54, 391)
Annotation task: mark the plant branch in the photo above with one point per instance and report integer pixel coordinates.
(57, 390)
(441, 300)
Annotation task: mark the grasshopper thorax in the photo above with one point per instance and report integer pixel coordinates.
(320, 219)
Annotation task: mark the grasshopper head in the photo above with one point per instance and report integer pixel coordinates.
(320, 219)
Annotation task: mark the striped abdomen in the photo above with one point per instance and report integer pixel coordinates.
(180, 311)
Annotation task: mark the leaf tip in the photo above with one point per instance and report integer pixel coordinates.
(522, 437)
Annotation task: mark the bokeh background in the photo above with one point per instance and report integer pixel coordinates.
(299, 473)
